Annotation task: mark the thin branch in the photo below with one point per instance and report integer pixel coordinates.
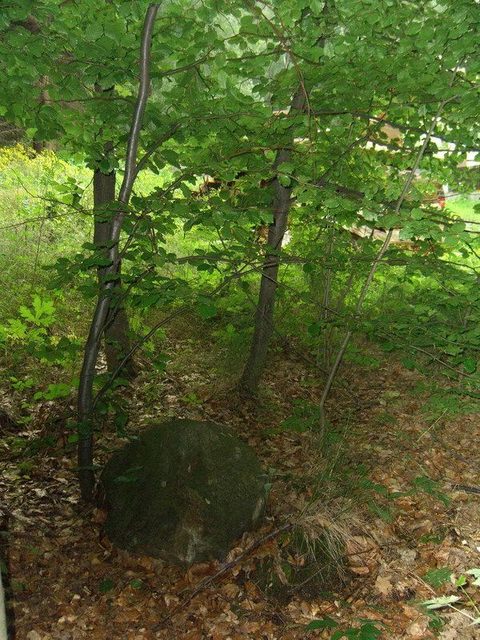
(134, 136)
(225, 568)
(383, 249)
(186, 67)
(155, 146)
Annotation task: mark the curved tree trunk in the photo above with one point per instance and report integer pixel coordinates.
(100, 316)
(117, 330)
(268, 285)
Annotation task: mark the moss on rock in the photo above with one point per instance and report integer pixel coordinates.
(183, 491)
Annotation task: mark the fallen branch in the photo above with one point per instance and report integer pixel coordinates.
(466, 488)
(225, 568)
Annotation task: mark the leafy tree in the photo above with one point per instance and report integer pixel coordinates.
(290, 107)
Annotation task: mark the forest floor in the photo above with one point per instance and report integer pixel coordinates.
(392, 470)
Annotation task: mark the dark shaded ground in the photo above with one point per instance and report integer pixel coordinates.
(70, 584)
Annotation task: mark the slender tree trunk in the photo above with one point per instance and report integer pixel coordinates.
(7, 612)
(268, 285)
(117, 341)
(378, 258)
(326, 286)
(97, 326)
(116, 334)
(37, 144)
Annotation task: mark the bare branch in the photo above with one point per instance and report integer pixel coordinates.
(378, 258)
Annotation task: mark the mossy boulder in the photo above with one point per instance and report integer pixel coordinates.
(183, 491)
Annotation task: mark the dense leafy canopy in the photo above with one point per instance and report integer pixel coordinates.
(375, 80)
(306, 190)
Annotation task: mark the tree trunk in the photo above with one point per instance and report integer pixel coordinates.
(7, 612)
(97, 326)
(268, 284)
(116, 334)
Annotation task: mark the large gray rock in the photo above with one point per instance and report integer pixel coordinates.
(183, 491)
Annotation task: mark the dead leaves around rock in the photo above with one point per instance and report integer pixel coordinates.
(62, 561)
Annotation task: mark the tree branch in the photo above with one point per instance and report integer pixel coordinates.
(378, 258)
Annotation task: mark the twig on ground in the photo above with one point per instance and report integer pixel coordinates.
(206, 582)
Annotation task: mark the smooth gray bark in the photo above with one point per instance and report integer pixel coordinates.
(97, 326)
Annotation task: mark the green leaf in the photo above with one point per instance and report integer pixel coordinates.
(437, 577)
(106, 585)
(58, 390)
(440, 602)
(27, 314)
(470, 365)
(317, 6)
(136, 583)
(461, 581)
(96, 261)
(369, 631)
(409, 364)
(315, 329)
(206, 310)
(384, 513)
(160, 362)
(308, 267)
(417, 214)
(285, 181)
(429, 486)
(324, 623)
(476, 574)
(286, 167)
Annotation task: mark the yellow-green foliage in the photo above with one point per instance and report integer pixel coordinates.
(16, 154)
(40, 219)
(29, 176)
